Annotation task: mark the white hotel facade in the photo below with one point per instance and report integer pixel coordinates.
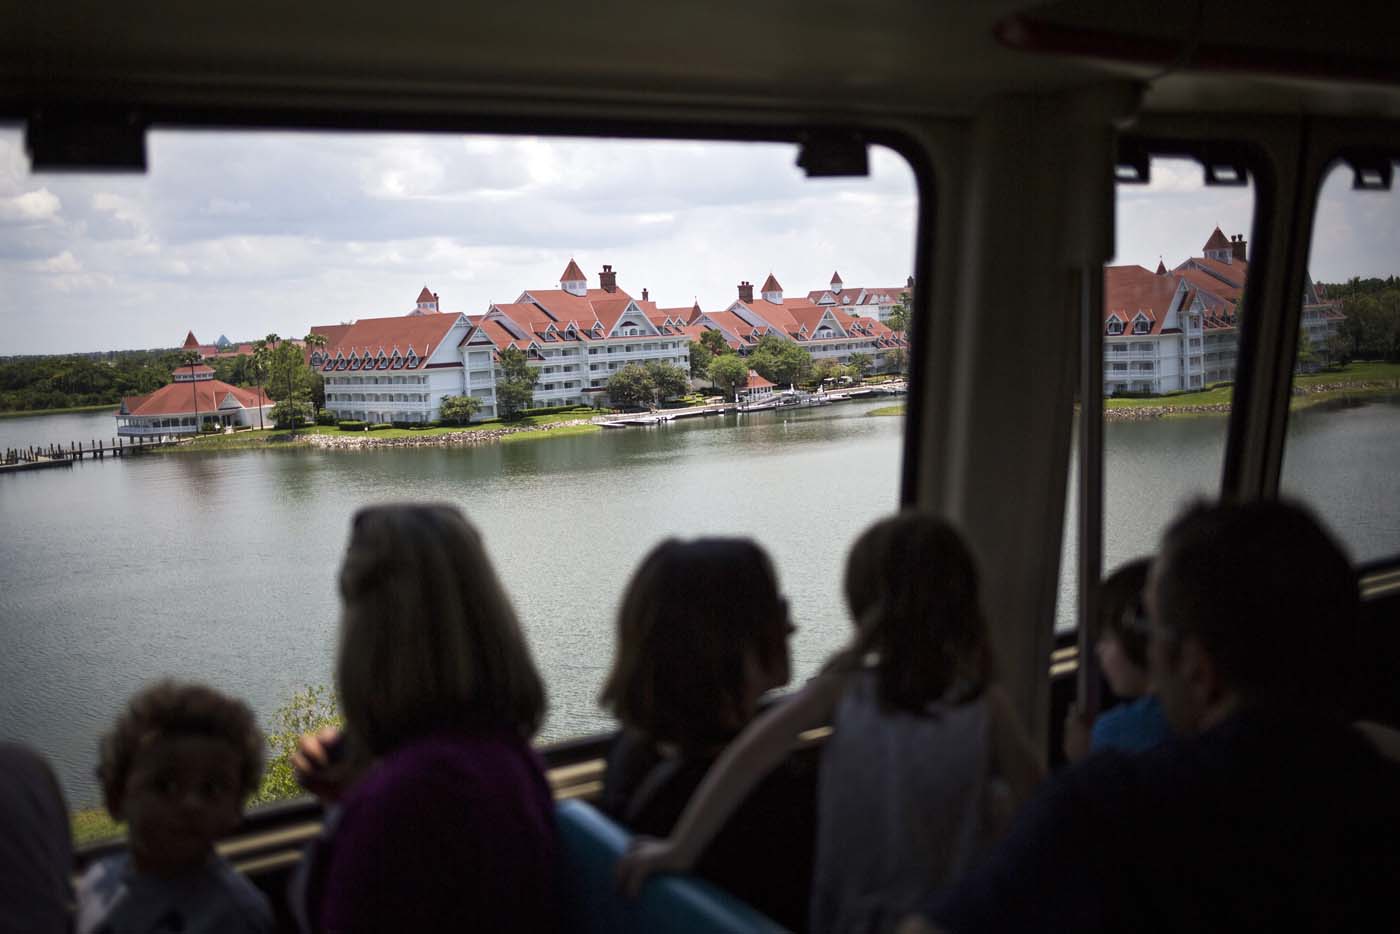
(401, 368)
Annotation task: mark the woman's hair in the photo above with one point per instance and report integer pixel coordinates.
(692, 615)
(168, 709)
(911, 585)
(428, 636)
(1121, 612)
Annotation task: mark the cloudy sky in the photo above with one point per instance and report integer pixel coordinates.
(247, 233)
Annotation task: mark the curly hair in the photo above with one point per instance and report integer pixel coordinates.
(171, 708)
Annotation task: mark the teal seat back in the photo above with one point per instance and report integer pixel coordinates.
(671, 904)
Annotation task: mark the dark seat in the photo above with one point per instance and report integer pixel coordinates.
(591, 845)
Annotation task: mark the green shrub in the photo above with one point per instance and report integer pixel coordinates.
(307, 712)
(350, 424)
(380, 426)
(325, 417)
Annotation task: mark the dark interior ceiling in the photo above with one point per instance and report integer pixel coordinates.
(825, 57)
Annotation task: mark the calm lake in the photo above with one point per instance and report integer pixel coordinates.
(221, 567)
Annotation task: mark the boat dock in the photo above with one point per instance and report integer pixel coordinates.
(660, 416)
(14, 460)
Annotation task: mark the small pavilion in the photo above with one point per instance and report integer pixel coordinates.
(194, 400)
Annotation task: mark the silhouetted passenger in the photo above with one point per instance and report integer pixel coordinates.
(36, 853)
(177, 767)
(914, 779)
(1268, 812)
(1137, 723)
(702, 633)
(452, 825)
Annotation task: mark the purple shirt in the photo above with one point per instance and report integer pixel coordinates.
(453, 831)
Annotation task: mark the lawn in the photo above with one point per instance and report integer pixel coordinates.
(1212, 396)
(552, 433)
(888, 410)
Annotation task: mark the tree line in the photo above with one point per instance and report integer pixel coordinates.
(1371, 330)
(71, 380)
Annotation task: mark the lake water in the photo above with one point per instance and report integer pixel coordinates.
(221, 567)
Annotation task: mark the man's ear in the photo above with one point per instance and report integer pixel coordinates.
(1200, 674)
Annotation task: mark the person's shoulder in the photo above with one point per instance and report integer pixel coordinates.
(98, 889)
(247, 905)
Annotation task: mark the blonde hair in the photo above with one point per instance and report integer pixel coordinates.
(428, 637)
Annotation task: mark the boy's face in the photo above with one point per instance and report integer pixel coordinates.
(182, 794)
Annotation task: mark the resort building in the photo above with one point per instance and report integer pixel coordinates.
(223, 347)
(826, 332)
(860, 301)
(576, 337)
(392, 369)
(1178, 330)
(194, 400)
(754, 389)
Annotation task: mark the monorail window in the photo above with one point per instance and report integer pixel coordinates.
(1170, 305)
(1343, 443)
(208, 549)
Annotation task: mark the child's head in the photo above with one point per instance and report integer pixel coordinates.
(428, 636)
(1122, 642)
(911, 585)
(177, 767)
(701, 633)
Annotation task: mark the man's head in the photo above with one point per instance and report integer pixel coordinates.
(177, 767)
(1251, 604)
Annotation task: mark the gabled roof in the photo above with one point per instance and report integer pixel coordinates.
(572, 273)
(1132, 290)
(369, 336)
(771, 284)
(754, 381)
(426, 296)
(1217, 241)
(835, 278)
(207, 395)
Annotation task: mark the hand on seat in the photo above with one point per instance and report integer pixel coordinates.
(645, 857)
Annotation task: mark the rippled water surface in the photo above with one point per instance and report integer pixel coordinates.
(222, 567)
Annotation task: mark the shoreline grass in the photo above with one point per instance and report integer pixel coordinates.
(888, 410)
(563, 431)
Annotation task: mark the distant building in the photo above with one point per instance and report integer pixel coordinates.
(824, 331)
(871, 302)
(754, 389)
(223, 348)
(396, 369)
(1178, 330)
(576, 337)
(195, 399)
(428, 303)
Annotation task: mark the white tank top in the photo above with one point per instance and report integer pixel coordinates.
(902, 805)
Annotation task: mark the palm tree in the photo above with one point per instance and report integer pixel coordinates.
(262, 361)
(314, 341)
(191, 359)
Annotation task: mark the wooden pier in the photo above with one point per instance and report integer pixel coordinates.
(56, 455)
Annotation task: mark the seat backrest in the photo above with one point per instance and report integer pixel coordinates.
(591, 845)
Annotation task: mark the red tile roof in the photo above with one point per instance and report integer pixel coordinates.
(426, 296)
(1128, 290)
(1217, 241)
(206, 395)
(771, 284)
(754, 381)
(369, 336)
(190, 342)
(572, 273)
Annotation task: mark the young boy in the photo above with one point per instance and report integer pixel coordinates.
(176, 767)
(1137, 724)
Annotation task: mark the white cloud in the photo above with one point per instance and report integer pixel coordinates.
(64, 262)
(38, 205)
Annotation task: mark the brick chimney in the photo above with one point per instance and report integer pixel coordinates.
(1237, 244)
(909, 283)
(645, 296)
(607, 279)
(746, 292)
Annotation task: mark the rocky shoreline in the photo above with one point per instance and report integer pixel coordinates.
(1147, 412)
(467, 437)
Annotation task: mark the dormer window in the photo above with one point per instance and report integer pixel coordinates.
(1141, 326)
(383, 362)
(1115, 326)
(412, 360)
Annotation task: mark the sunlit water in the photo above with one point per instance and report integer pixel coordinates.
(221, 567)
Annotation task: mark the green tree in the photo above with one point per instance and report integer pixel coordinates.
(1338, 350)
(291, 413)
(317, 383)
(862, 364)
(667, 379)
(631, 385)
(700, 358)
(781, 361)
(827, 369)
(458, 410)
(515, 386)
(715, 343)
(261, 365)
(728, 371)
(897, 359)
(308, 711)
(901, 313)
(1306, 359)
